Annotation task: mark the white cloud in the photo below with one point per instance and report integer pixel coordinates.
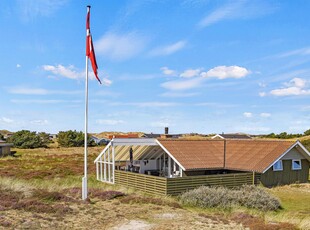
(224, 12)
(290, 91)
(72, 72)
(295, 87)
(298, 82)
(265, 115)
(60, 70)
(190, 73)
(247, 114)
(254, 128)
(160, 124)
(183, 84)
(223, 72)
(168, 71)
(302, 52)
(237, 10)
(216, 105)
(178, 95)
(6, 120)
(39, 91)
(18, 66)
(39, 101)
(262, 94)
(169, 49)
(106, 81)
(109, 122)
(154, 104)
(30, 9)
(39, 122)
(120, 46)
(262, 84)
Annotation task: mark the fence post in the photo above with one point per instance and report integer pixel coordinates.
(253, 178)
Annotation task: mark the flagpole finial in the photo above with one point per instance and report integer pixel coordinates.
(88, 6)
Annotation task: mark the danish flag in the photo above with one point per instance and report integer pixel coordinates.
(90, 52)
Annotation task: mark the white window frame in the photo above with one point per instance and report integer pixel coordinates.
(293, 164)
(278, 169)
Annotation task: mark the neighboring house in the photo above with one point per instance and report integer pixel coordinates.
(5, 149)
(100, 141)
(165, 135)
(52, 136)
(151, 135)
(231, 136)
(130, 135)
(275, 162)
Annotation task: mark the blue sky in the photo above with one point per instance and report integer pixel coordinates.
(193, 65)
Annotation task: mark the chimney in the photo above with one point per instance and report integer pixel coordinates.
(166, 130)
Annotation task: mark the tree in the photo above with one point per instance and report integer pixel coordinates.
(307, 132)
(1, 136)
(73, 139)
(45, 138)
(25, 139)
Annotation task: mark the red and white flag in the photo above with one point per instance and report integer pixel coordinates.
(90, 52)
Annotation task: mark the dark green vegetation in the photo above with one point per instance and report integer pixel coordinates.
(26, 139)
(248, 196)
(1, 137)
(285, 135)
(72, 138)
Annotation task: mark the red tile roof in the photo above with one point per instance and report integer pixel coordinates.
(123, 136)
(244, 155)
(253, 155)
(196, 154)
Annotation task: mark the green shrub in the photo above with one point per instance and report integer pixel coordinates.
(72, 139)
(222, 197)
(26, 139)
(251, 196)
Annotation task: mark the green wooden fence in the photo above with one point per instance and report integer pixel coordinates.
(179, 185)
(145, 183)
(174, 186)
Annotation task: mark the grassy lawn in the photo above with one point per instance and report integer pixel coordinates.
(41, 188)
(295, 200)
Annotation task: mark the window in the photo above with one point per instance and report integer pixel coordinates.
(278, 166)
(296, 164)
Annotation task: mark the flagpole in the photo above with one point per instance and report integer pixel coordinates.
(84, 180)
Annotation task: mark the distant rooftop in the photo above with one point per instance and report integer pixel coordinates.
(232, 136)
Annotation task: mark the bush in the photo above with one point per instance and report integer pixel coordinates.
(25, 139)
(222, 197)
(73, 139)
(307, 132)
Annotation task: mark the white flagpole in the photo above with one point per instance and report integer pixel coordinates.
(84, 180)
